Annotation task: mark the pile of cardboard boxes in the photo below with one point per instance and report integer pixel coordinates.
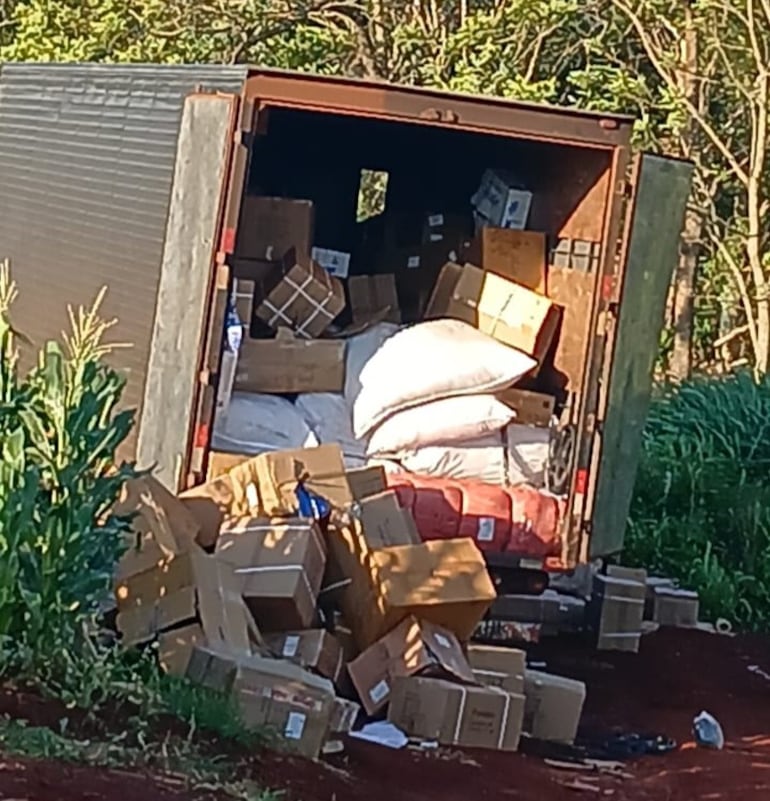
(304, 620)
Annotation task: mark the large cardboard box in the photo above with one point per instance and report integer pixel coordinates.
(553, 707)
(270, 227)
(472, 717)
(302, 296)
(315, 650)
(289, 364)
(498, 667)
(616, 612)
(280, 566)
(371, 295)
(385, 523)
(443, 581)
(516, 255)
(415, 647)
(508, 311)
(271, 694)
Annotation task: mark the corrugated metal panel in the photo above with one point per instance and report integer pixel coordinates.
(86, 164)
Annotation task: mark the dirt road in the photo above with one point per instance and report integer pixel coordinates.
(676, 675)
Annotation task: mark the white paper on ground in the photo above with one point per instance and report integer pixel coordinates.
(382, 733)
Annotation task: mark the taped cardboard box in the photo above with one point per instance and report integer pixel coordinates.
(385, 523)
(315, 650)
(616, 612)
(366, 481)
(472, 717)
(498, 667)
(302, 296)
(279, 565)
(288, 364)
(269, 227)
(372, 294)
(344, 716)
(676, 607)
(415, 647)
(516, 255)
(507, 311)
(443, 581)
(553, 708)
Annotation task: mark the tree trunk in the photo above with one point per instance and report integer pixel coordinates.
(680, 362)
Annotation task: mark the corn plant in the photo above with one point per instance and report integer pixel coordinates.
(60, 428)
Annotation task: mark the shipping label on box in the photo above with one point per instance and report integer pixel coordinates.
(270, 227)
(335, 262)
(316, 650)
(472, 717)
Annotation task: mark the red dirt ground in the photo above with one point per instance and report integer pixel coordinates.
(660, 690)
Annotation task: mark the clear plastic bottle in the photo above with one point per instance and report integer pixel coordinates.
(708, 732)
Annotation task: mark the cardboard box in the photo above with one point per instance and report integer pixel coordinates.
(553, 707)
(256, 270)
(550, 608)
(447, 228)
(370, 295)
(532, 408)
(302, 296)
(288, 364)
(367, 481)
(270, 694)
(243, 299)
(270, 227)
(652, 584)
(519, 256)
(415, 647)
(511, 313)
(443, 581)
(280, 565)
(500, 202)
(385, 523)
(335, 262)
(344, 716)
(498, 667)
(175, 648)
(676, 607)
(472, 717)
(616, 612)
(638, 574)
(315, 650)
(211, 503)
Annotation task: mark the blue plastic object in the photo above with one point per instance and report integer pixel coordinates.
(312, 505)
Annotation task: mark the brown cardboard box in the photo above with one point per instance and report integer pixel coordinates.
(344, 716)
(516, 255)
(210, 504)
(302, 296)
(444, 581)
(414, 647)
(675, 607)
(510, 312)
(256, 270)
(315, 650)
(243, 297)
(532, 408)
(288, 364)
(367, 481)
(472, 717)
(653, 583)
(220, 463)
(550, 608)
(617, 610)
(371, 294)
(175, 648)
(498, 667)
(553, 707)
(385, 523)
(270, 227)
(280, 566)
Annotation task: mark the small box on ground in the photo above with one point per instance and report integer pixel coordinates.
(516, 255)
(344, 716)
(498, 667)
(280, 566)
(501, 202)
(507, 311)
(553, 708)
(301, 296)
(616, 612)
(676, 607)
(271, 226)
(372, 295)
(289, 364)
(315, 650)
(472, 717)
(414, 647)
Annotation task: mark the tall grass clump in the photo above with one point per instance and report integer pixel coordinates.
(701, 511)
(60, 429)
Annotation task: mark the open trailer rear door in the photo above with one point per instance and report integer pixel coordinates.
(192, 294)
(657, 208)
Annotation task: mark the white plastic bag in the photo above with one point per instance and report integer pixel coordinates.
(429, 361)
(328, 416)
(446, 421)
(258, 423)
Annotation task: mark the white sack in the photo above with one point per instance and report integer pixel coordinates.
(429, 361)
(446, 421)
(258, 423)
(328, 416)
(360, 350)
